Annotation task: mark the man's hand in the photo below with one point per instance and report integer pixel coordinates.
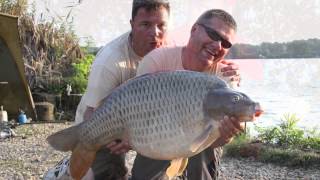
(229, 127)
(88, 113)
(119, 146)
(231, 69)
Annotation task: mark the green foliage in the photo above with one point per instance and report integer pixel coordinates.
(268, 135)
(232, 149)
(242, 138)
(281, 156)
(287, 134)
(312, 139)
(55, 88)
(285, 144)
(79, 78)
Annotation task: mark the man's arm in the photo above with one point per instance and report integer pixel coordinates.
(88, 113)
(229, 127)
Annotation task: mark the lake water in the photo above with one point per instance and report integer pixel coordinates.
(283, 86)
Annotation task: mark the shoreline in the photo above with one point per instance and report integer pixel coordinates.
(29, 157)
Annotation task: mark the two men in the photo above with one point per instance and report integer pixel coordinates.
(118, 62)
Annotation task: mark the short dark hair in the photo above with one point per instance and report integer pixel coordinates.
(220, 14)
(149, 5)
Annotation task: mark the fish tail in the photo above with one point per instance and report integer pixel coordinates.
(64, 140)
(81, 160)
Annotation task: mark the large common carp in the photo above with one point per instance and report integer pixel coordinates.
(166, 115)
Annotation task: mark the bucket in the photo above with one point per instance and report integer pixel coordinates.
(45, 111)
(22, 118)
(3, 115)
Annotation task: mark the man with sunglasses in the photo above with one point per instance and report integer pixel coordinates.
(214, 35)
(211, 38)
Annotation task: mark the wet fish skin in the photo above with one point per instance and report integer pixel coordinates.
(164, 115)
(151, 110)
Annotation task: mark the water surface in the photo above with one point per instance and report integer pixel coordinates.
(283, 86)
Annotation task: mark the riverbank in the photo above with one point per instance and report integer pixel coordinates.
(28, 156)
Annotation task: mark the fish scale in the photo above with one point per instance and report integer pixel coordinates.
(169, 110)
(166, 116)
(150, 97)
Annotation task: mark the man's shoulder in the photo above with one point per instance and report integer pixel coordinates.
(118, 42)
(165, 50)
(165, 54)
(161, 59)
(114, 50)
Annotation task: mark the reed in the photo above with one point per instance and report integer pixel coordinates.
(49, 47)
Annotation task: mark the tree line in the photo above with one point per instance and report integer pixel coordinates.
(295, 49)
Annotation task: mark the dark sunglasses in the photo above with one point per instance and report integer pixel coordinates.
(215, 36)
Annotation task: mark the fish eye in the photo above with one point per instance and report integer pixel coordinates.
(235, 98)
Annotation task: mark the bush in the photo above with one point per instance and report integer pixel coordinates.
(289, 135)
(242, 146)
(232, 149)
(79, 78)
(285, 145)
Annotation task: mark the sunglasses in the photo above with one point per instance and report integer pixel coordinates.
(215, 36)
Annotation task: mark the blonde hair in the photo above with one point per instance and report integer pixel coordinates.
(220, 14)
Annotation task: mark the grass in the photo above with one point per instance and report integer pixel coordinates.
(289, 157)
(288, 135)
(277, 155)
(286, 145)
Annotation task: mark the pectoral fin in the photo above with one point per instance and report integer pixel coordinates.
(176, 167)
(200, 140)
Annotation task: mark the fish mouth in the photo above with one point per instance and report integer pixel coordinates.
(252, 117)
(258, 110)
(258, 113)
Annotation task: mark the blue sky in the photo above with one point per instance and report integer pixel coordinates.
(258, 20)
